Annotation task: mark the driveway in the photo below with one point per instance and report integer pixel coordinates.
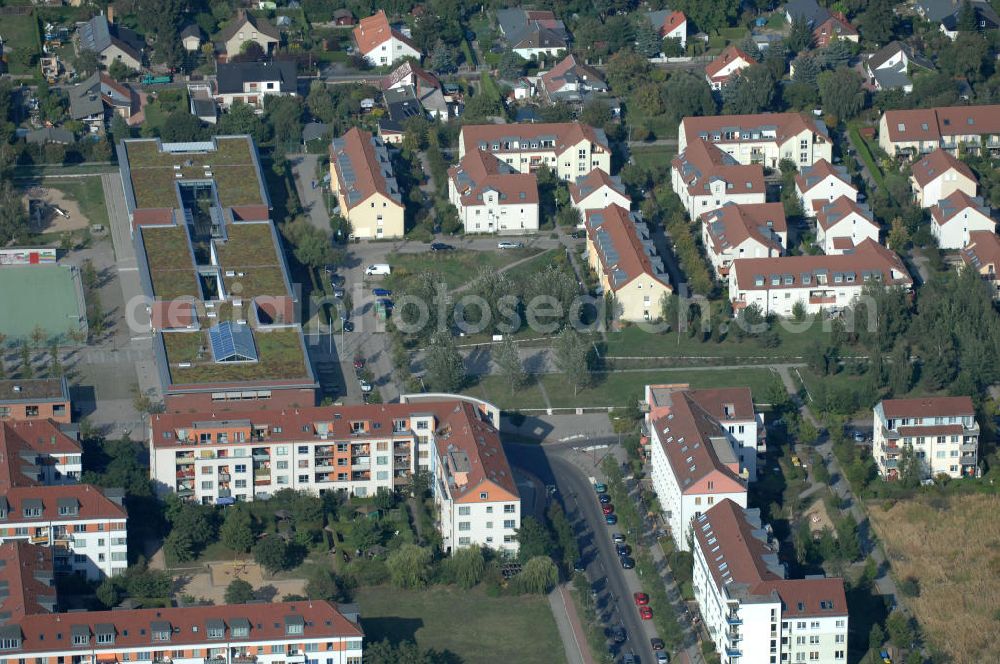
(311, 198)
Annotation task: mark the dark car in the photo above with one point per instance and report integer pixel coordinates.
(618, 634)
(617, 538)
(348, 326)
(579, 566)
(381, 292)
(657, 644)
(627, 563)
(605, 499)
(611, 519)
(441, 246)
(623, 549)
(578, 235)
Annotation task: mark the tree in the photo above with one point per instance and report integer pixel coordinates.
(109, 593)
(322, 584)
(878, 22)
(709, 16)
(876, 637)
(285, 116)
(807, 69)
(239, 592)
(86, 62)
(647, 38)
(900, 629)
(120, 71)
(182, 127)
(179, 546)
(243, 119)
(900, 370)
(272, 554)
(533, 539)
(800, 35)
(236, 532)
(538, 575)
(841, 93)
(409, 566)
(572, 358)
(511, 65)
(965, 57)
(899, 235)
(13, 217)
(445, 366)
(467, 566)
(320, 102)
(443, 59)
(966, 18)
(119, 128)
(508, 360)
(750, 91)
(310, 245)
(838, 53)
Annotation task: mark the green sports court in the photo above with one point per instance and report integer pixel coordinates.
(50, 296)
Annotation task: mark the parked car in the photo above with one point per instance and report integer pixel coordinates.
(348, 326)
(578, 235)
(627, 563)
(441, 246)
(604, 499)
(579, 566)
(378, 270)
(610, 519)
(657, 643)
(628, 658)
(365, 385)
(505, 244)
(618, 634)
(339, 293)
(623, 549)
(859, 437)
(381, 292)
(617, 538)
(600, 488)
(662, 657)
(608, 509)
(645, 613)
(359, 363)
(641, 599)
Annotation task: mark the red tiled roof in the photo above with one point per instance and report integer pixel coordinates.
(27, 571)
(591, 182)
(835, 25)
(369, 173)
(728, 56)
(566, 135)
(407, 70)
(928, 407)
(22, 441)
(189, 625)
(784, 125)
(93, 504)
(843, 243)
(868, 256)
(671, 23)
(483, 172)
(374, 30)
(812, 176)
(726, 403)
(983, 251)
(912, 125)
(617, 222)
(936, 164)
(808, 598)
(461, 428)
(829, 213)
(930, 124)
(937, 430)
(947, 208)
(733, 224)
(701, 163)
(554, 79)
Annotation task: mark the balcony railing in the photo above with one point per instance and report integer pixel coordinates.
(827, 299)
(733, 620)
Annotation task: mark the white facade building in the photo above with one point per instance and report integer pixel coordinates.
(941, 432)
(380, 43)
(735, 232)
(706, 177)
(957, 216)
(823, 183)
(764, 138)
(596, 191)
(938, 176)
(843, 225)
(570, 149)
(492, 197)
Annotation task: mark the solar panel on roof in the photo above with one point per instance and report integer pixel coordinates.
(232, 343)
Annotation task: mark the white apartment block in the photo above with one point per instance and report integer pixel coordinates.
(491, 197)
(820, 283)
(570, 149)
(942, 432)
(694, 461)
(736, 232)
(843, 225)
(598, 190)
(955, 218)
(823, 183)
(939, 175)
(752, 612)
(706, 178)
(764, 138)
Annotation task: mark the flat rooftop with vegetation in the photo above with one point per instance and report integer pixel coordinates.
(250, 262)
(280, 357)
(171, 267)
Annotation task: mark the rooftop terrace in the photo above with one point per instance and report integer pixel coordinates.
(280, 351)
(232, 165)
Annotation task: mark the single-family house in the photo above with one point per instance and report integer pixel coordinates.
(597, 190)
(735, 232)
(250, 82)
(835, 26)
(246, 27)
(938, 175)
(892, 66)
(706, 178)
(99, 98)
(808, 10)
(571, 81)
(425, 86)
(957, 215)
(492, 197)
(732, 60)
(380, 43)
(401, 104)
(532, 33)
(110, 42)
(191, 38)
(823, 183)
(670, 24)
(843, 224)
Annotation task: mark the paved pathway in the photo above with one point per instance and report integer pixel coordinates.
(570, 630)
(311, 198)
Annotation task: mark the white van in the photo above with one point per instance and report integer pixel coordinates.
(378, 270)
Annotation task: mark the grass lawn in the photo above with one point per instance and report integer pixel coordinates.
(615, 389)
(635, 342)
(496, 390)
(457, 267)
(20, 33)
(539, 263)
(655, 156)
(864, 151)
(465, 623)
(89, 195)
(949, 543)
(661, 126)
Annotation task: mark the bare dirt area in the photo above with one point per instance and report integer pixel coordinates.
(211, 584)
(951, 545)
(819, 519)
(48, 220)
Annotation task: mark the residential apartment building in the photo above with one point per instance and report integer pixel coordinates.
(35, 399)
(956, 217)
(361, 177)
(823, 183)
(597, 190)
(843, 225)
(820, 283)
(28, 581)
(246, 27)
(706, 177)
(693, 459)
(251, 82)
(913, 132)
(942, 433)
(938, 175)
(380, 43)
(280, 633)
(753, 613)
(623, 256)
(726, 65)
(532, 33)
(734, 232)
(670, 24)
(492, 197)
(982, 254)
(570, 149)
(358, 450)
(764, 138)
(38, 452)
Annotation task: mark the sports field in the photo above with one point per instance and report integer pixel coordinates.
(47, 295)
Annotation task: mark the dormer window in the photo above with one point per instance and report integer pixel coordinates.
(160, 631)
(239, 628)
(105, 634)
(294, 625)
(81, 635)
(215, 629)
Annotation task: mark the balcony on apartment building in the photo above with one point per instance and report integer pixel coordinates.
(401, 461)
(185, 473)
(261, 453)
(183, 457)
(324, 451)
(361, 461)
(969, 445)
(244, 658)
(360, 475)
(822, 297)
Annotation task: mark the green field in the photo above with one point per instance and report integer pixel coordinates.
(20, 33)
(457, 267)
(654, 157)
(466, 624)
(635, 342)
(39, 295)
(89, 195)
(496, 390)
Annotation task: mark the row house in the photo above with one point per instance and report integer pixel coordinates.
(844, 224)
(597, 190)
(941, 432)
(938, 175)
(279, 633)
(491, 197)
(762, 138)
(693, 459)
(982, 254)
(735, 232)
(622, 254)
(380, 43)
(569, 149)
(362, 179)
(820, 283)
(913, 132)
(357, 450)
(956, 217)
(752, 611)
(34, 399)
(706, 177)
(823, 183)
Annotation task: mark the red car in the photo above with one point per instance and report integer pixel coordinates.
(607, 509)
(645, 613)
(359, 363)
(641, 599)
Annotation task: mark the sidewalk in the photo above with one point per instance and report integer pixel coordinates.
(570, 630)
